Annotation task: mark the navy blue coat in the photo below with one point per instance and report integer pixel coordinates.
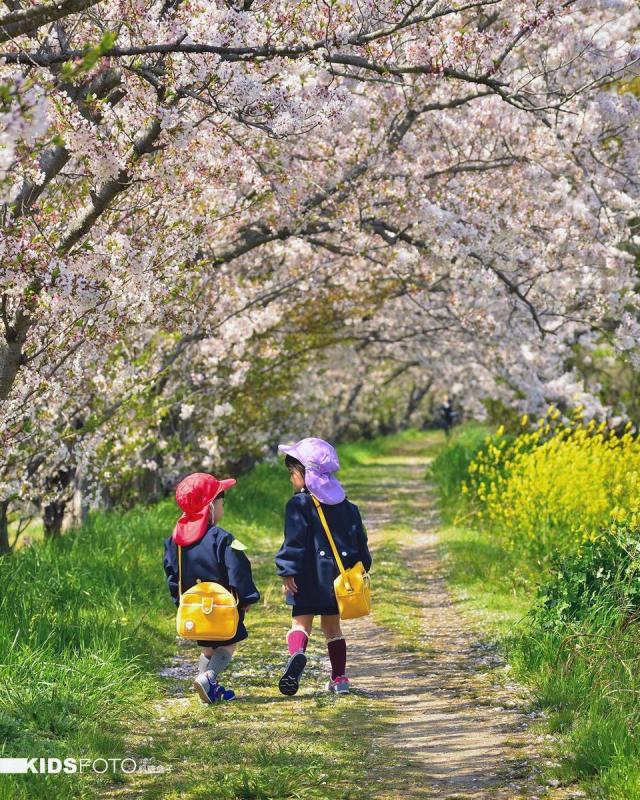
(306, 553)
(212, 558)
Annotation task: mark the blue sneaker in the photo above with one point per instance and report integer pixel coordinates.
(210, 690)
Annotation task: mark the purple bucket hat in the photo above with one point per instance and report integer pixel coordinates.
(320, 461)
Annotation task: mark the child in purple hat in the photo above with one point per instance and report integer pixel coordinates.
(305, 561)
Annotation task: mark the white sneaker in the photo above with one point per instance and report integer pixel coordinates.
(340, 685)
(210, 690)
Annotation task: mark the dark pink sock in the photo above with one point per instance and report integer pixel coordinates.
(297, 640)
(338, 657)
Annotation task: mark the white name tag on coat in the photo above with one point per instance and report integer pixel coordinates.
(237, 545)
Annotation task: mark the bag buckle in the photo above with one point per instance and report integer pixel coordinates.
(207, 605)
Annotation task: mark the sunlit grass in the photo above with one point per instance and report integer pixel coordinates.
(485, 579)
(86, 623)
(582, 674)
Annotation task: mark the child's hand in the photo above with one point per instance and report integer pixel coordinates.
(289, 585)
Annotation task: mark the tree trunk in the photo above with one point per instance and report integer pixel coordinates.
(79, 505)
(11, 350)
(415, 398)
(53, 512)
(52, 516)
(4, 528)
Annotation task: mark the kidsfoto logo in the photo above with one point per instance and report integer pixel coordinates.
(70, 766)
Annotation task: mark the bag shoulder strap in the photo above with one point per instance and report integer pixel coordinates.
(179, 571)
(323, 520)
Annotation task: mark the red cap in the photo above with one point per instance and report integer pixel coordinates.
(193, 495)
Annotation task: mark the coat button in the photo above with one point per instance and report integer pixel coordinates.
(322, 552)
(343, 553)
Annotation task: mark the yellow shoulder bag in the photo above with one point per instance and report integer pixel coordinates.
(207, 610)
(353, 585)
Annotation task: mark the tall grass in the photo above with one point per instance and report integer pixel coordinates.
(450, 468)
(585, 678)
(86, 621)
(577, 647)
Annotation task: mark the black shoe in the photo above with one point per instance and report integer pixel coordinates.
(290, 681)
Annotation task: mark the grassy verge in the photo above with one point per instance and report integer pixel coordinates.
(86, 624)
(484, 579)
(579, 666)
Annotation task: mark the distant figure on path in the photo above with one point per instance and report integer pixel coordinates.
(208, 553)
(448, 415)
(306, 563)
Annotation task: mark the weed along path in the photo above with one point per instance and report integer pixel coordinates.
(432, 713)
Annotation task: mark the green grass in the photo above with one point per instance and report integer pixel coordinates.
(86, 623)
(583, 673)
(484, 579)
(450, 464)
(585, 679)
(375, 452)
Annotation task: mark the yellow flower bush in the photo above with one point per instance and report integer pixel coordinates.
(553, 487)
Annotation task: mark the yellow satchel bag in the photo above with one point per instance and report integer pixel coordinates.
(353, 585)
(207, 610)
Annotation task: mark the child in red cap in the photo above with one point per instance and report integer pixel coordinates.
(209, 553)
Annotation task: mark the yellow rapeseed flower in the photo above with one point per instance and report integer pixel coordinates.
(559, 490)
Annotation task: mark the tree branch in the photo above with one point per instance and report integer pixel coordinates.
(101, 199)
(53, 160)
(513, 288)
(28, 20)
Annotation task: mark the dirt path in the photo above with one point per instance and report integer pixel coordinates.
(446, 721)
(453, 719)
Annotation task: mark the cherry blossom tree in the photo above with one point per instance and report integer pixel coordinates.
(342, 206)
